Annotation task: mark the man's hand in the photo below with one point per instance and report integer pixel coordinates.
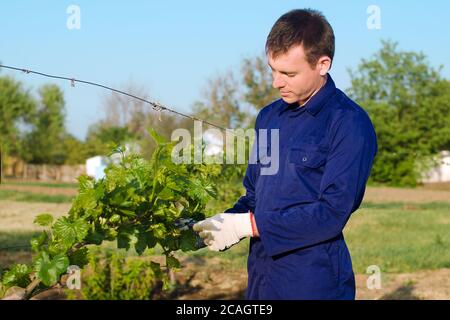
(225, 229)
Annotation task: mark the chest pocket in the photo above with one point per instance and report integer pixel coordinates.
(308, 156)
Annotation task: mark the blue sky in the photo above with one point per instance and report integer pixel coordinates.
(172, 47)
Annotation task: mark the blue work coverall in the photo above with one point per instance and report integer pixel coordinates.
(326, 151)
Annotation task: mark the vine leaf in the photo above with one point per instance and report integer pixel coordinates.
(49, 270)
(68, 232)
(44, 220)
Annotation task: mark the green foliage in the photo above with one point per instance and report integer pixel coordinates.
(79, 257)
(69, 231)
(17, 275)
(136, 204)
(399, 237)
(33, 129)
(44, 220)
(49, 269)
(112, 276)
(25, 196)
(45, 142)
(100, 137)
(16, 107)
(258, 82)
(76, 151)
(409, 104)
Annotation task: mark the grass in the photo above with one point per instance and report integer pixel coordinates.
(400, 237)
(25, 196)
(42, 184)
(397, 237)
(15, 248)
(235, 257)
(16, 240)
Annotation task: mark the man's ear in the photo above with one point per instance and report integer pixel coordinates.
(324, 65)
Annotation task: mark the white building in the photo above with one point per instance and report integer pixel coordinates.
(213, 143)
(95, 166)
(441, 173)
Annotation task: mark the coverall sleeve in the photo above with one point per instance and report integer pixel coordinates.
(352, 151)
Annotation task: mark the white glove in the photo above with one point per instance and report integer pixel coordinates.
(224, 229)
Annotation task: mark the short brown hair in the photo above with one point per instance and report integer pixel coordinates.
(306, 27)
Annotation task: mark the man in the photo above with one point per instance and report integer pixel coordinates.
(327, 145)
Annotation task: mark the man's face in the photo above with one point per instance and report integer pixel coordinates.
(294, 77)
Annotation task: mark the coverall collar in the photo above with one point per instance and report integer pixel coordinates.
(316, 103)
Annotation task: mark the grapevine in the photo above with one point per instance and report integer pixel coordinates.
(137, 204)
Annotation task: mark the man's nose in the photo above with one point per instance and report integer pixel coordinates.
(278, 82)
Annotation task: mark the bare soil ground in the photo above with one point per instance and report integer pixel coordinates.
(420, 285)
(19, 216)
(16, 215)
(211, 279)
(214, 280)
(8, 258)
(437, 192)
(419, 195)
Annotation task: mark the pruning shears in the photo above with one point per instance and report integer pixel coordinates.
(184, 224)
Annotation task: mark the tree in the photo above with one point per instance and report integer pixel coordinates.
(76, 151)
(102, 135)
(45, 143)
(257, 79)
(220, 104)
(409, 104)
(130, 118)
(16, 109)
(120, 110)
(225, 100)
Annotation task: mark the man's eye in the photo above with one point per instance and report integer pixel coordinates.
(291, 75)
